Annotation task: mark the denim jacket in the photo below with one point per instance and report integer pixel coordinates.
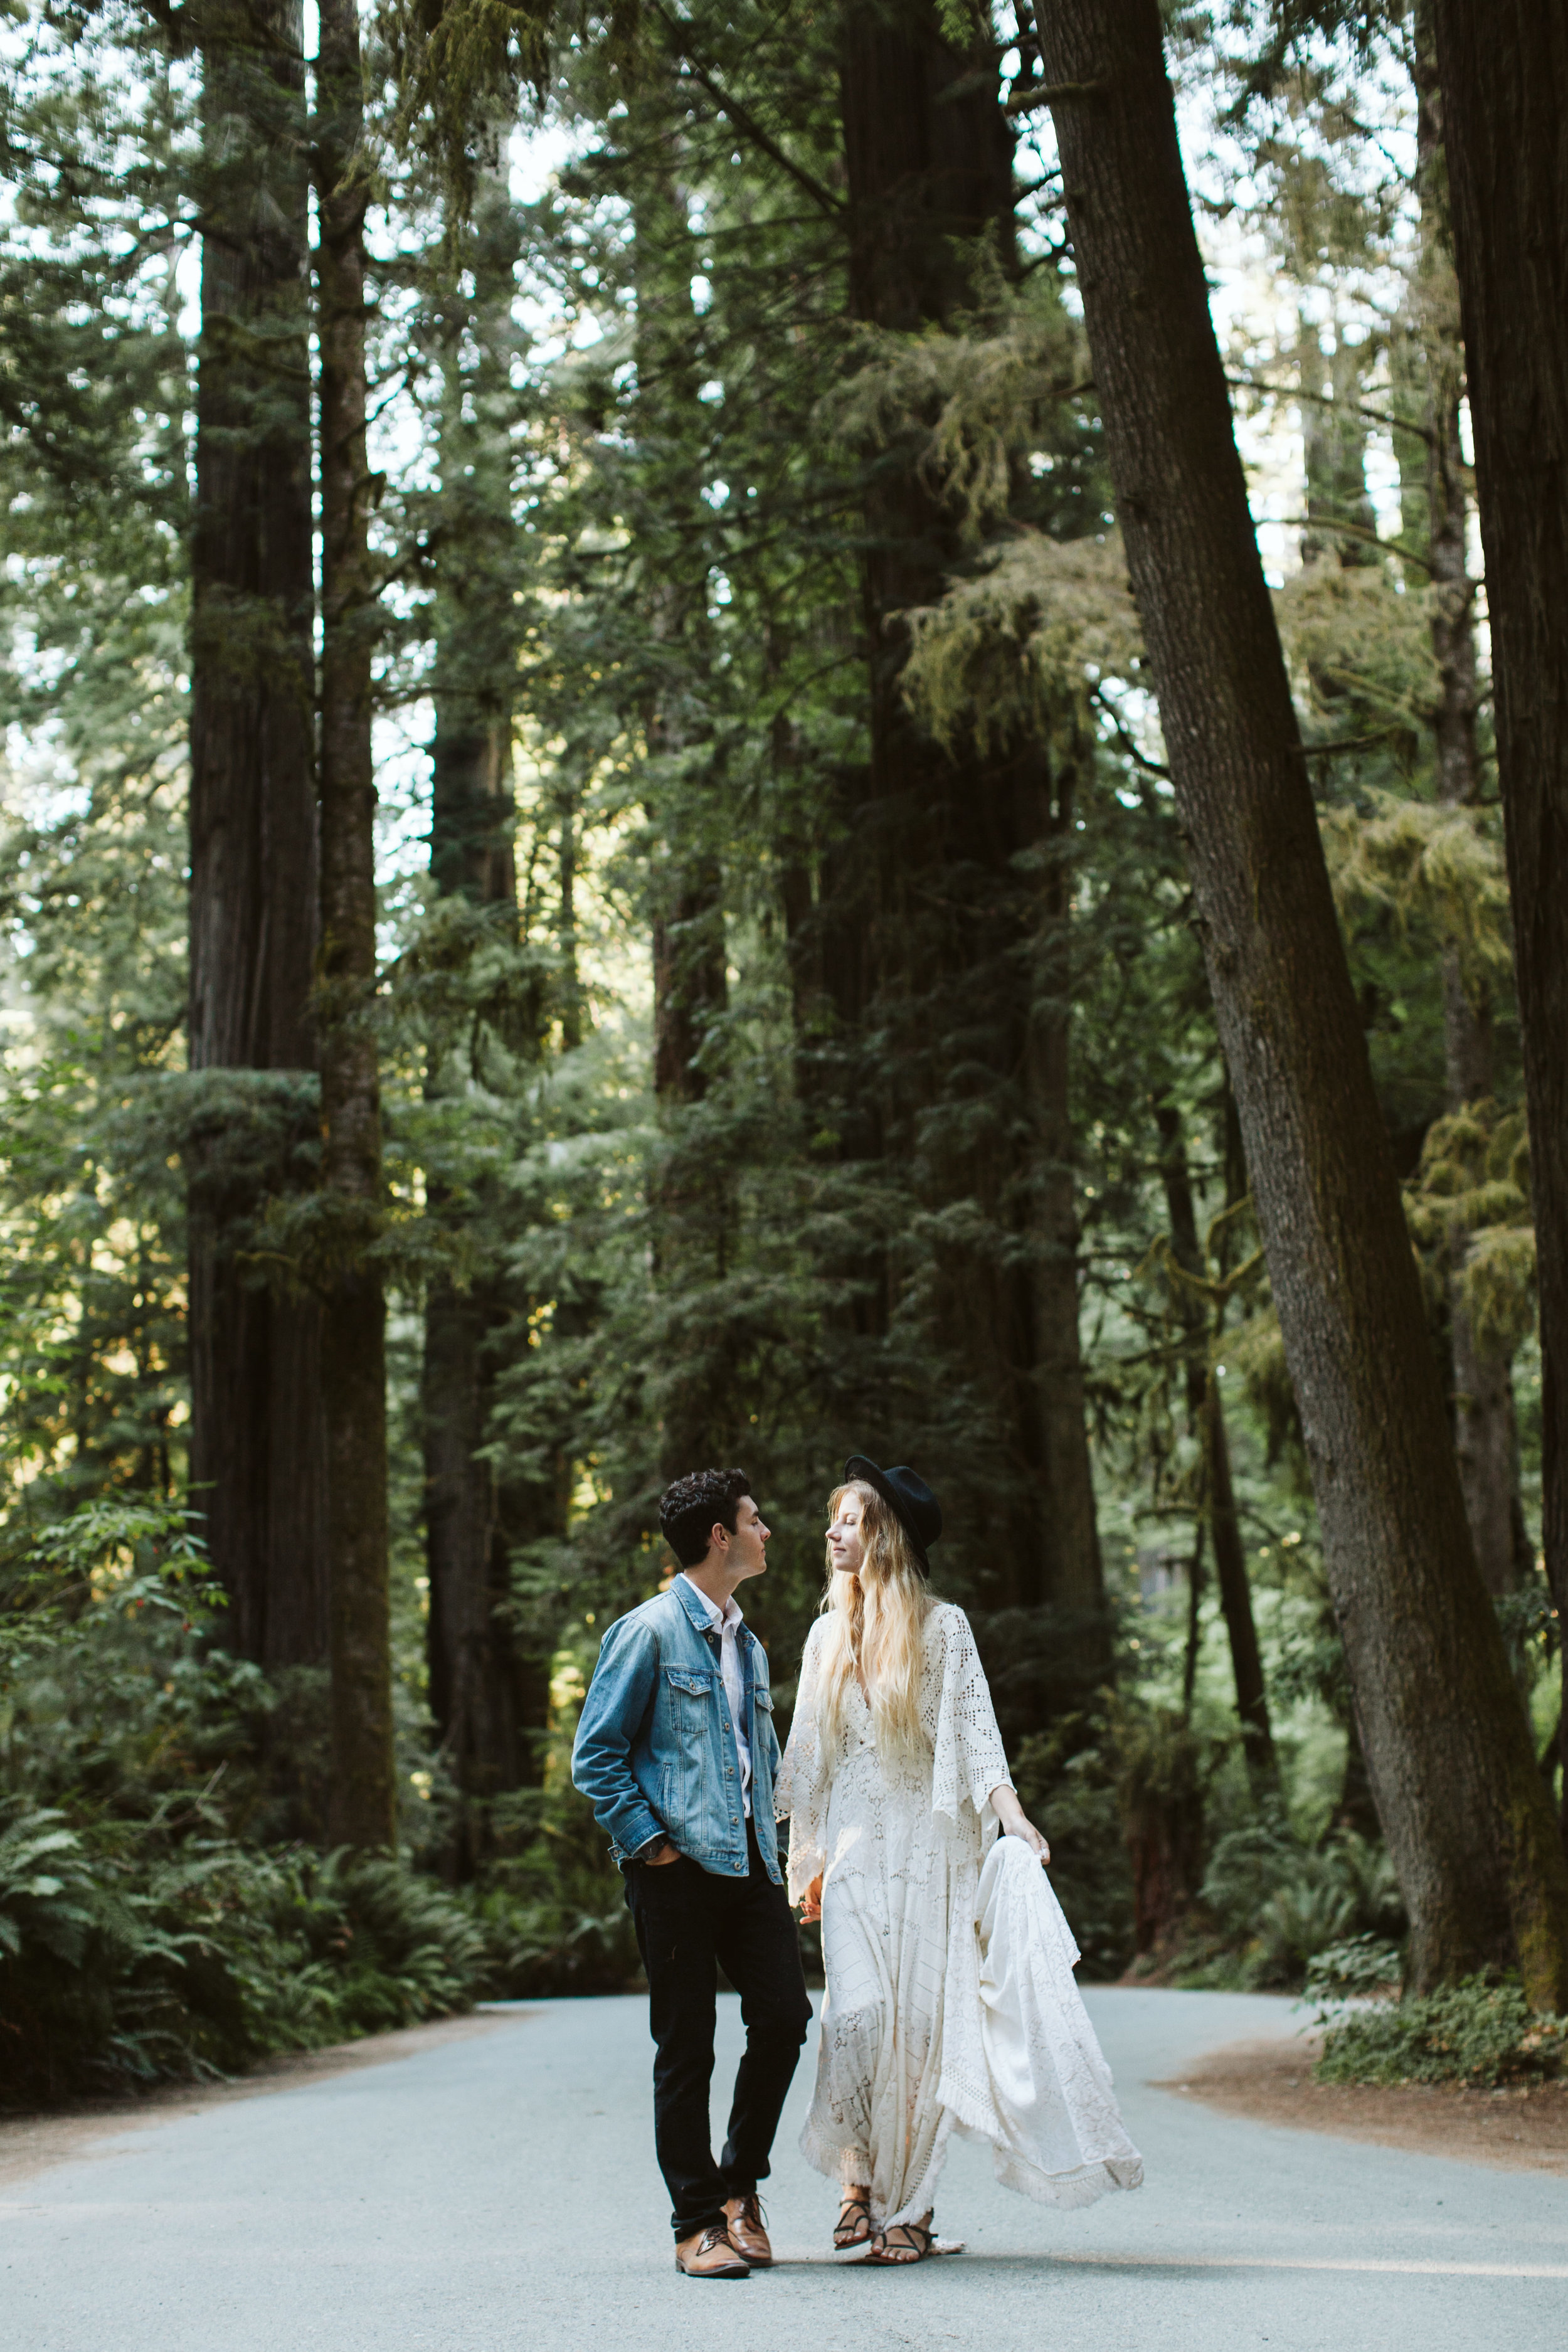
(656, 1750)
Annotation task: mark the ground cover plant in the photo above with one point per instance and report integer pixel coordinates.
(1481, 2032)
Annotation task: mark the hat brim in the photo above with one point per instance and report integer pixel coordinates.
(861, 1466)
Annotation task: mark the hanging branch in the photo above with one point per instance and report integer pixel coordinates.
(743, 119)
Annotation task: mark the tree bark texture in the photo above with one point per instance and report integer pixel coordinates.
(946, 913)
(688, 1196)
(364, 1810)
(1504, 83)
(489, 1693)
(258, 1443)
(491, 1699)
(1468, 1826)
(1216, 1494)
(1485, 1436)
(1046, 1353)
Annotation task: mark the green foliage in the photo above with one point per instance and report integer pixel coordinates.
(1470, 1203)
(1009, 647)
(456, 67)
(1065, 1779)
(1417, 859)
(1481, 2032)
(1279, 1903)
(552, 1905)
(145, 1933)
(1360, 1967)
(132, 1954)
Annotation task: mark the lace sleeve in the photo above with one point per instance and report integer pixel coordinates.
(800, 1793)
(969, 1759)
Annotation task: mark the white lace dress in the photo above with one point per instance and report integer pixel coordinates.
(917, 1995)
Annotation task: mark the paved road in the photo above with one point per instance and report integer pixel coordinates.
(498, 2192)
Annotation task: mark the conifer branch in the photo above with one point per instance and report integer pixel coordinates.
(1417, 430)
(1354, 531)
(1056, 93)
(745, 122)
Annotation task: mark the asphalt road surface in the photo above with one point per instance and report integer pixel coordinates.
(500, 2191)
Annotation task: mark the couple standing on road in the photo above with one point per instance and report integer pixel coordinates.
(951, 2000)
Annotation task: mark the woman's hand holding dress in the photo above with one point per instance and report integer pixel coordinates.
(1015, 1823)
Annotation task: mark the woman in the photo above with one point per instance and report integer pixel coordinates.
(950, 2002)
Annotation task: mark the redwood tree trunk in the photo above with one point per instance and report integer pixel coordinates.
(258, 1447)
(489, 1699)
(1047, 1355)
(363, 1808)
(949, 965)
(1468, 1823)
(1205, 1412)
(689, 1192)
(1504, 75)
(1484, 1437)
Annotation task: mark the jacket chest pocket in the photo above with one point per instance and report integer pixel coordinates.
(690, 1693)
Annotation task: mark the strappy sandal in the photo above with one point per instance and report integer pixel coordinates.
(847, 2236)
(893, 2257)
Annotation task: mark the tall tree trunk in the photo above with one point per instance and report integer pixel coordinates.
(1206, 1413)
(363, 1801)
(1504, 77)
(258, 1443)
(491, 1699)
(1484, 1431)
(954, 978)
(688, 1192)
(1048, 1353)
(1467, 1821)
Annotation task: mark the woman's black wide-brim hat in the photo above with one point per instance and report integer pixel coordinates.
(909, 1498)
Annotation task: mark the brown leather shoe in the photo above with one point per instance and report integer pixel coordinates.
(710, 2254)
(744, 2215)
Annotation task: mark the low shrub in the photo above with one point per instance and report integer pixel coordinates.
(1362, 1968)
(1279, 1903)
(551, 1903)
(1481, 2032)
(1065, 1781)
(128, 1958)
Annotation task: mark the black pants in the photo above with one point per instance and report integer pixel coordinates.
(687, 1918)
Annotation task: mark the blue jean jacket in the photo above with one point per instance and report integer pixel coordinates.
(656, 1751)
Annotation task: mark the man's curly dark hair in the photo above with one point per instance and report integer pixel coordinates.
(689, 1511)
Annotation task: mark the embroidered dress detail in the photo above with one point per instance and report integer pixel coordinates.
(914, 2043)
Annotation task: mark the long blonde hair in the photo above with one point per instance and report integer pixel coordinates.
(874, 1625)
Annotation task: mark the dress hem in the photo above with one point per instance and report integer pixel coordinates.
(827, 2156)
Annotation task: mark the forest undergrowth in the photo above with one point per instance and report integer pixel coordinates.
(154, 1927)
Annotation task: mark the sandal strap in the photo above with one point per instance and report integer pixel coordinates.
(913, 2230)
(854, 2210)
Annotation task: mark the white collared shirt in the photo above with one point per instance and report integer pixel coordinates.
(729, 1621)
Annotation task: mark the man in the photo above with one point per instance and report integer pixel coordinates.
(677, 1752)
